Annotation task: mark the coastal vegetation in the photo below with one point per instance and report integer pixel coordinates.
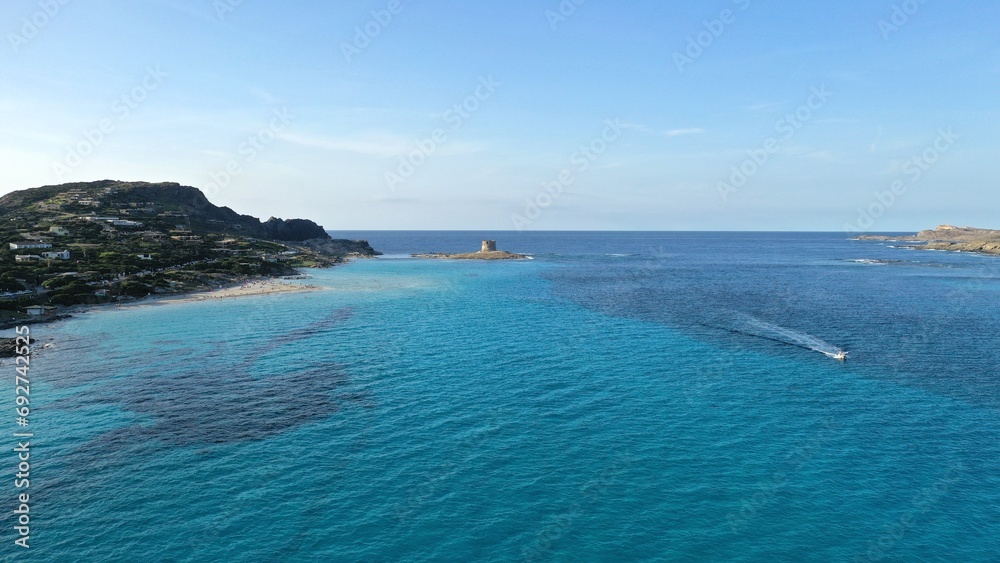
(107, 241)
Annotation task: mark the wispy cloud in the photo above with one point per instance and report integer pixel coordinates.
(378, 144)
(635, 127)
(373, 145)
(389, 198)
(688, 131)
(878, 137)
(668, 133)
(848, 120)
(265, 96)
(806, 151)
(765, 107)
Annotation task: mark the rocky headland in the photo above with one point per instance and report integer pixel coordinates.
(948, 237)
(112, 241)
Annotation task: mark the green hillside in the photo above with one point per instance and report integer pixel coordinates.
(104, 241)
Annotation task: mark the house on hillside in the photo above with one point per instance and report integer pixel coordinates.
(39, 310)
(29, 245)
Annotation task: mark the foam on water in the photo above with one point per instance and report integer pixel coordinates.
(753, 326)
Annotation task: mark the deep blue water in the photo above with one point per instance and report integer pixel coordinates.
(622, 396)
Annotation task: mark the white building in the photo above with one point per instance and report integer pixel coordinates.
(38, 310)
(28, 245)
(26, 257)
(59, 231)
(126, 223)
(63, 255)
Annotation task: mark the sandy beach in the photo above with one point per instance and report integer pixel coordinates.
(245, 289)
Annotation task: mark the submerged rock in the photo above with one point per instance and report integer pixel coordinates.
(8, 347)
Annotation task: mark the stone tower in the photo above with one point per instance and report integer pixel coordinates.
(489, 246)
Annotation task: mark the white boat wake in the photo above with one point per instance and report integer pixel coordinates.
(753, 326)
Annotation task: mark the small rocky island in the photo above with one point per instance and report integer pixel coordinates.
(948, 237)
(488, 252)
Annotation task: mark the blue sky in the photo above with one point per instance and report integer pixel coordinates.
(650, 115)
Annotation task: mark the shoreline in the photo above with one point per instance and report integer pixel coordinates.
(980, 248)
(253, 287)
(947, 238)
(249, 288)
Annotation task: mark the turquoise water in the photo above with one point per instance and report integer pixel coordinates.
(623, 396)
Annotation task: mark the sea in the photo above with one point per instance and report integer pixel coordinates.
(618, 396)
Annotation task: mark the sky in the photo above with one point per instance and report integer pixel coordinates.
(874, 115)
